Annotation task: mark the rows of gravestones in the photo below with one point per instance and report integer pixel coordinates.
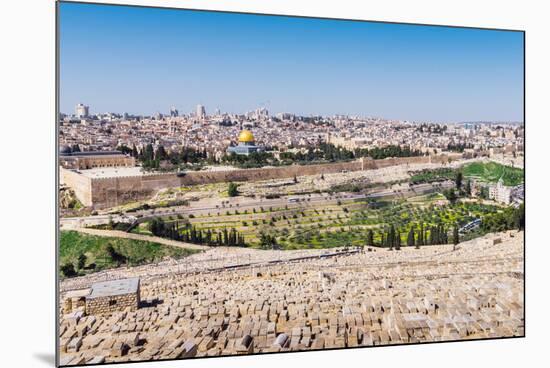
(373, 298)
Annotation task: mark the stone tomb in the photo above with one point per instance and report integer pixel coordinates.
(112, 296)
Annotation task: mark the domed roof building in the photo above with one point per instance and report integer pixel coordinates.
(246, 144)
(246, 136)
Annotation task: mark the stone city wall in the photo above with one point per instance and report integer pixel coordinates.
(109, 192)
(193, 178)
(81, 185)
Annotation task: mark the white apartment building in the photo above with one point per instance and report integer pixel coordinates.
(500, 192)
(82, 111)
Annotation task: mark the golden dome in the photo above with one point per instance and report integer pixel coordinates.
(246, 136)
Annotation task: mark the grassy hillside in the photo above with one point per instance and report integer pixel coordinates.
(491, 172)
(108, 252)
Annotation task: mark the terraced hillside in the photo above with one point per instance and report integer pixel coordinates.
(342, 222)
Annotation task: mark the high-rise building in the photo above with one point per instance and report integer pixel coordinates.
(262, 113)
(82, 111)
(201, 111)
(174, 112)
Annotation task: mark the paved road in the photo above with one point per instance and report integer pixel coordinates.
(236, 203)
(125, 235)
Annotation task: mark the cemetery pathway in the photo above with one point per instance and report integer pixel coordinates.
(125, 235)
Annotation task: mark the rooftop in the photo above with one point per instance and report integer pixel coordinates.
(63, 152)
(112, 172)
(114, 287)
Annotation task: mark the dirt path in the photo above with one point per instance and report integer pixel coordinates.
(125, 235)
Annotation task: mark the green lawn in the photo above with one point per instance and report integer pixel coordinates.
(99, 251)
(491, 172)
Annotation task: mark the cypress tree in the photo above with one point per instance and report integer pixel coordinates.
(195, 234)
(398, 241)
(370, 238)
(225, 239)
(410, 238)
(391, 237)
(148, 153)
(233, 236)
(456, 239)
(458, 180)
(426, 235)
(519, 217)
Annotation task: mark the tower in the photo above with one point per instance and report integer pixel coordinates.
(201, 112)
(82, 111)
(174, 112)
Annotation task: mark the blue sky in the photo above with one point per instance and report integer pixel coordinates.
(143, 60)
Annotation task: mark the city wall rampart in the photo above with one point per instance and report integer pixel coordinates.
(109, 192)
(81, 185)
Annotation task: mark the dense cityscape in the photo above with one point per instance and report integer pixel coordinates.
(283, 132)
